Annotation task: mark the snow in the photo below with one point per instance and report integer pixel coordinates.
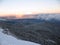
(10, 40)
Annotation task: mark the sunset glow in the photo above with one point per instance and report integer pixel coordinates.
(21, 7)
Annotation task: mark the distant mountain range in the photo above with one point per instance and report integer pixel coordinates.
(42, 16)
(7, 17)
(34, 18)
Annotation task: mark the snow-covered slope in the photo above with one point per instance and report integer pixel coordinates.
(10, 40)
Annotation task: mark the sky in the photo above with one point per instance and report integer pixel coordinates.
(18, 7)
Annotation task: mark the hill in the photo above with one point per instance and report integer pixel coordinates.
(45, 33)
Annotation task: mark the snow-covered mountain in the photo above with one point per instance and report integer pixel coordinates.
(10, 40)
